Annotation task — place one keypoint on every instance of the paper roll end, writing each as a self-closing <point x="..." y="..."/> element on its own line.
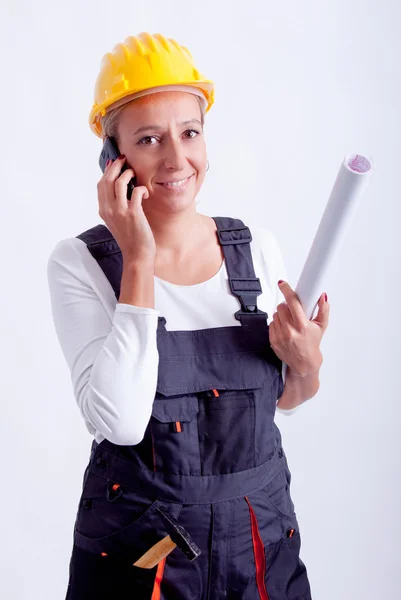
<point x="358" y="163"/>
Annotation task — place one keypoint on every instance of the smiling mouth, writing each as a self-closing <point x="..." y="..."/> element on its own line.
<point x="175" y="184"/>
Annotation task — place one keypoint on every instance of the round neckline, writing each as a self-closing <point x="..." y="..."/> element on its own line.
<point x="194" y="285"/>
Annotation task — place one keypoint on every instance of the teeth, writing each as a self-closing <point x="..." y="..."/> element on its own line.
<point x="176" y="183"/>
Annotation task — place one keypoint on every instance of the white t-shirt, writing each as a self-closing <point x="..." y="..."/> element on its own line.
<point x="111" y="348"/>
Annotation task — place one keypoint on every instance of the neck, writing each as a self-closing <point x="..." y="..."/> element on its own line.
<point x="177" y="234"/>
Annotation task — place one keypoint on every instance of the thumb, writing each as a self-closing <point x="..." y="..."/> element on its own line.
<point x="322" y="317"/>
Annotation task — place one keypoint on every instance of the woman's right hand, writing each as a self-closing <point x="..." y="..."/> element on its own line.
<point x="125" y="218"/>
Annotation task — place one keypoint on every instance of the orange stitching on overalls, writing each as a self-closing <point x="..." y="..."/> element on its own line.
<point x="216" y="393"/>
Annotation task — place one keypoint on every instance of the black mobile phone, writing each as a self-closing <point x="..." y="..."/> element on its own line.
<point x="110" y="150"/>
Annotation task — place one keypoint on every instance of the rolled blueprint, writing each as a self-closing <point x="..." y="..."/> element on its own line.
<point x="349" y="186"/>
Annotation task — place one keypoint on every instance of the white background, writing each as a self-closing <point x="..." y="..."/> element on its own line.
<point x="298" y="86"/>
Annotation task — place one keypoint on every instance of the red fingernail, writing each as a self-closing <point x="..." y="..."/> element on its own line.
<point x="325" y="297"/>
<point x="121" y="156"/>
<point x="281" y="281"/>
<point x="108" y="162"/>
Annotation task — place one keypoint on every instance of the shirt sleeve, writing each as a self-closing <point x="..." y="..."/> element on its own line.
<point x="113" y="358"/>
<point x="275" y="264"/>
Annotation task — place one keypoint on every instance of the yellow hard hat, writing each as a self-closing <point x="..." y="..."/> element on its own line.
<point x="141" y="65"/>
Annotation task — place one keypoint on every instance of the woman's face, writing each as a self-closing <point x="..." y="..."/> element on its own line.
<point x="169" y="147"/>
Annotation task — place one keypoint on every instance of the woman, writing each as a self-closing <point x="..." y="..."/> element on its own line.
<point x="177" y="373"/>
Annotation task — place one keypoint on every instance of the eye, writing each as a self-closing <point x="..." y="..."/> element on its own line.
<point x="191" y="130"/>
<point x="149" y="137"/>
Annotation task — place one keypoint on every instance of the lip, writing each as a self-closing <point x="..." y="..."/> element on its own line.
<point x="177" y="189"/>
<point x="174" y="180"/>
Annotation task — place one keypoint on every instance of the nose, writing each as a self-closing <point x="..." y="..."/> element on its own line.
<point x="175" y="155"/>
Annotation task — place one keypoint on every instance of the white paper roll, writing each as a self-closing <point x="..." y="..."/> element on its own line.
<point x="349" y="186"/>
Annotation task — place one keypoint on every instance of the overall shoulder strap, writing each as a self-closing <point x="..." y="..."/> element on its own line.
<point x="235" y="238"/>
<point x="105" y="250"/>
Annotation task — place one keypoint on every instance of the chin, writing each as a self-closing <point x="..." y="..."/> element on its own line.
<point x="176" y="204"/>
<point x="173" y="204"/>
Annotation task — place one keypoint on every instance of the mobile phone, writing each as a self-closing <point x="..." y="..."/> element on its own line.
<point x="110" y="151"/>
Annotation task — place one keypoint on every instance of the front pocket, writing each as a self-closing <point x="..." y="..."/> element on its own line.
<point x="174" y="431"/>
<point x="277" y="494"/>
<point x="124" y="529"/>
<point x="98" y="517"/>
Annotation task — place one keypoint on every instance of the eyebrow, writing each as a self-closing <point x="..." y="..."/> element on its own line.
<point x="158" y="127"/>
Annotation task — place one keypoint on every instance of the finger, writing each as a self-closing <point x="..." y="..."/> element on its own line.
<point x="278" y="326"/>
<point x="286" y="327"/>
<point x="276" y="317"/>
<point x="112" y="172"/>
<point x="121" y="187"/>
<point x="275" y="333"/>
<point x="114" y="168"/>
<point x="284" y="313"/>
<point x="108" y="168"/>
<point x="294" y="305"/>
<point x="139" y="193"/>
<point x="103" y="195"/>
<point x="106" y="186"/>
<point x="272" y="333"/>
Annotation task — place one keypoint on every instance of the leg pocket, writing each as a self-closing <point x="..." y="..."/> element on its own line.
<point x="286" y="574"/>
<point x="96" y="577"/>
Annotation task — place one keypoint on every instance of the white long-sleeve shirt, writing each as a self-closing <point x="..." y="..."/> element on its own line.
<point x="111" y="347"/>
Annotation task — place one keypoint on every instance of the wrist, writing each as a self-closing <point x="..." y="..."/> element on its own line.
<point x="308" y="371"/>
<point x="139" y="264"/>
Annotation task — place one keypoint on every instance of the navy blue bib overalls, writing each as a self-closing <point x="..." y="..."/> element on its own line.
<point x="211" y="459"/>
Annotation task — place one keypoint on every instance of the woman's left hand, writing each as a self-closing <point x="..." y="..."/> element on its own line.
<point x="296" y="339"/>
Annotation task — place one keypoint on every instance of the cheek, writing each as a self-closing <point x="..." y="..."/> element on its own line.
<point x="200" y="176"/>
<point x="200" y="165"/>
<point x="199" y="156"/>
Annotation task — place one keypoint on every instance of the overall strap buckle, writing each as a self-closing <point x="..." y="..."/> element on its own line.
<point x="247" y="289"/>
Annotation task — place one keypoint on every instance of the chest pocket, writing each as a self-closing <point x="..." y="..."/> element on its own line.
<point x="227" y="430"/>
<point x="174" y="431"/>
<point x="214" y="411"/>
<point x="215" y="431"/>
